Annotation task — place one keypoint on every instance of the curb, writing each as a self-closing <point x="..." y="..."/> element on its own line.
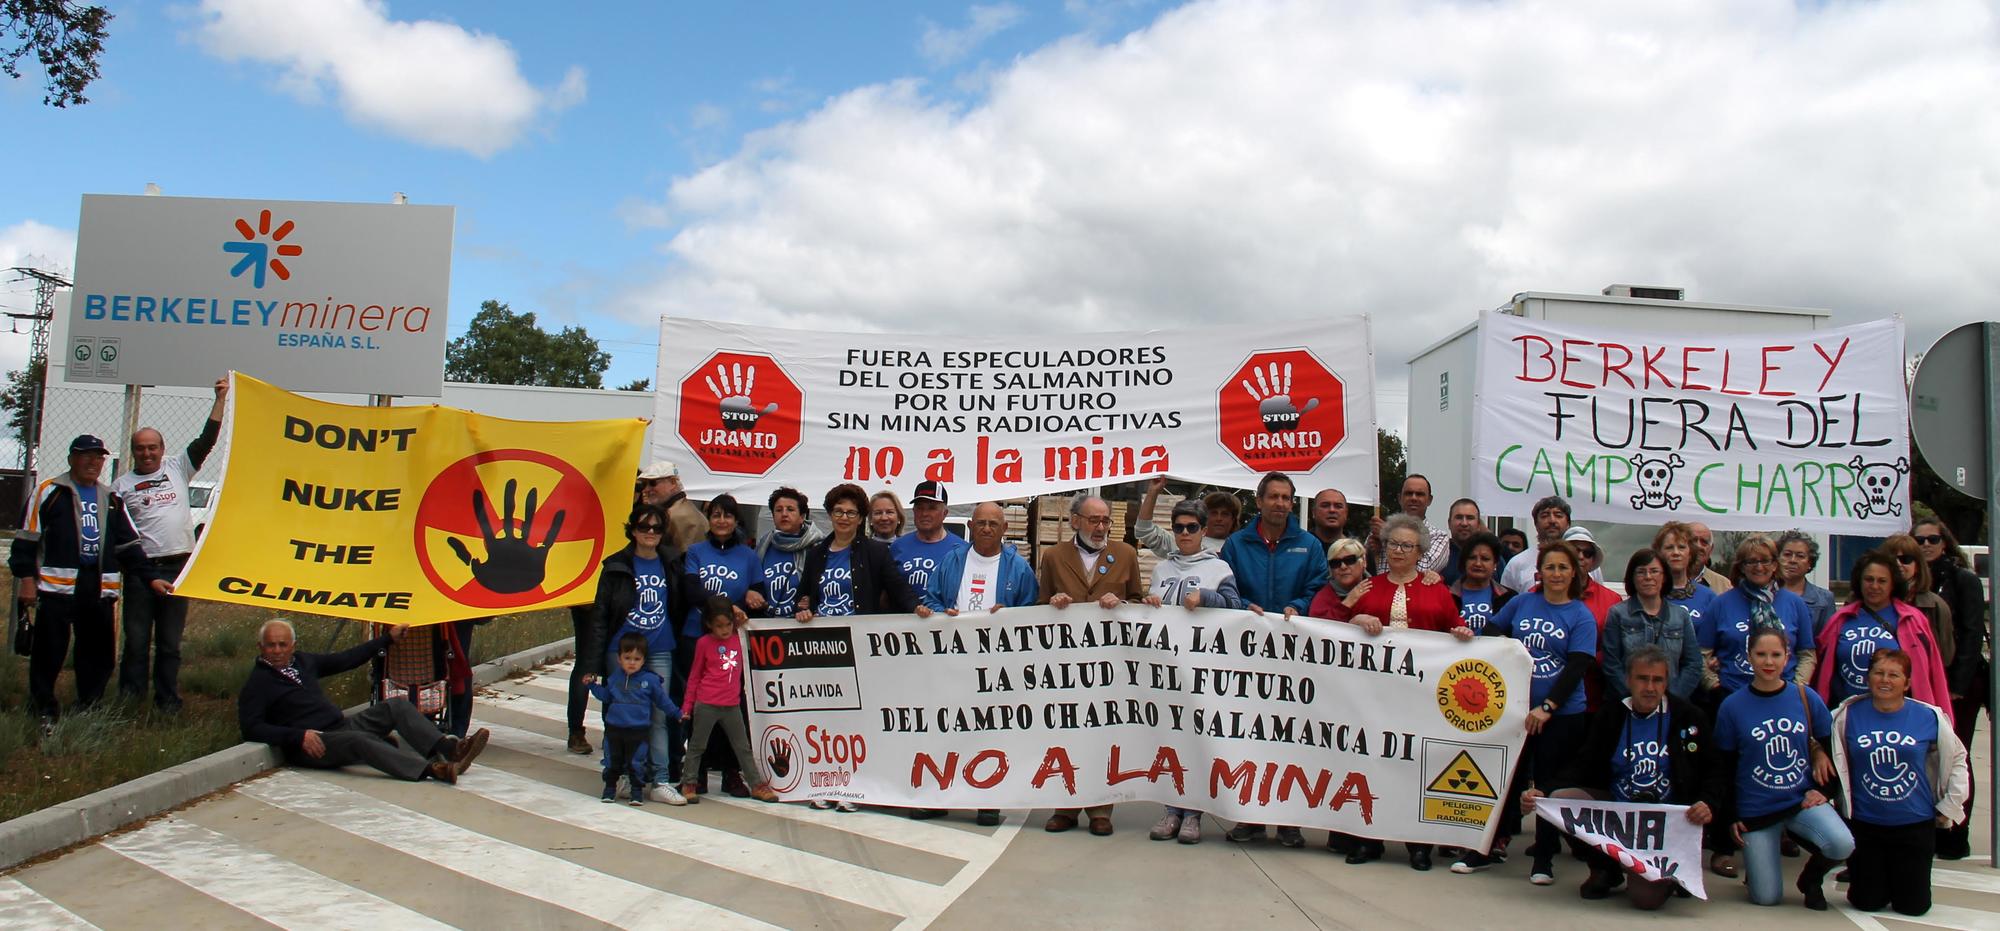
<point x="107" y="810"/>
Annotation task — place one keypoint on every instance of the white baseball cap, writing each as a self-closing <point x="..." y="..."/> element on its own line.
<point x="659" y="470"/>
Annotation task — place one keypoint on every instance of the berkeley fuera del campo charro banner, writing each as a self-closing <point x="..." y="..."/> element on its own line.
<point x="414" y="515"/>
<point x="1650" y="841"/>
<point x="1409" y="735"/>
<point x="747" y="409"/>
<point x="1739" y="431"/>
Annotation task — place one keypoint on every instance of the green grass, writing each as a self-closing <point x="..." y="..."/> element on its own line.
<point x="119" y="740"/>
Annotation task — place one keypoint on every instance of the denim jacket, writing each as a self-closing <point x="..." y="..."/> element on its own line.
<point x="1627" y="628"/>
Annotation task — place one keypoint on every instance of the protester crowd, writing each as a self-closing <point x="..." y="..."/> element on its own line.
<point x="1787" y="724"/>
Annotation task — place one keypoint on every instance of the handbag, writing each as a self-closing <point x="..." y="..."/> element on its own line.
<point x="428" y="697"/>
<point x="22" y="628"/>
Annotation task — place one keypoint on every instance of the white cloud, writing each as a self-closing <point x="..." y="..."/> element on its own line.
<point x="1258" y="162"/>
<point x="428" y="81"/>
<point x="27" y="244"/>
<point x="941" y="46"/>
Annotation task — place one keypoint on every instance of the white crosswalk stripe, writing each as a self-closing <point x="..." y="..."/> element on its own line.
<point x="24" y="909"/>
<point x="256" y="882"/>
<point x="526" y="872"/>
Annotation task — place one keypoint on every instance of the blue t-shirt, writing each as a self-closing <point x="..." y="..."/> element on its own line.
<point x="918" y="559"/>
<point x="1551" y="633"/>
<point x="1639" y="768"/>
<point x="1700" y="606"/>
<point x="1772" y="740"/>
<point x="89" y="529"/>
<point x="1730" y="628"/>
<point x="1476" y="607"/>
<point x="1886" y="756"/>
<point x="649" y="610"/>
<point x="781" y="581"/>
<point x="836" y="585"/>
<point x="1860" y="636"/>
<point x="730" y="571"/>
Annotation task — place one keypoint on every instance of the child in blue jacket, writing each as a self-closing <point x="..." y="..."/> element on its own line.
<point x="629" y="695"/>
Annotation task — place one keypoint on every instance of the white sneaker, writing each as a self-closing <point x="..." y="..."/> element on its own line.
<point x="661" y="792"/>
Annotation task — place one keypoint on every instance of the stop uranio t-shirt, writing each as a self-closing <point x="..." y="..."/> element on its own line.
<point x="918" y="559"/>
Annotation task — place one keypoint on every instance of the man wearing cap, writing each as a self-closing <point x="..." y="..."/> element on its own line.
<point x="1598" y="598"/>
<point x="660" y="483"/>
<point x="920" y="552"/>
<point x="155" y="493"/>
<point x="67" y="560"/>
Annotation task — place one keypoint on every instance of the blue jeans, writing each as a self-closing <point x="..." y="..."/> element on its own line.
<point x="1819" y="826"/>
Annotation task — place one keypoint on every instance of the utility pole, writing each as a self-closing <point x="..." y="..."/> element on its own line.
<point x="46" y="284"/>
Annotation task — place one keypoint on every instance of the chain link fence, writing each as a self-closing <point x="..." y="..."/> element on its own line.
<point x="69" y="411"/>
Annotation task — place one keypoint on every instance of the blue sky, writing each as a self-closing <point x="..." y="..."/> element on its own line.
<point x="1103" y="164"/>
<point x="542" y="223"/>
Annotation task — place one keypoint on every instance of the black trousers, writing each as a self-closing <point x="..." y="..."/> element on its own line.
<point x="627" y="754"/>
<point x="579" y="694"/>
<point x="1542" y="757"/>
<point x="58" y="618"/>
<point x="1956" y="841"/>
<point x="1891" y="867"/>
<point x="153" y="624"/>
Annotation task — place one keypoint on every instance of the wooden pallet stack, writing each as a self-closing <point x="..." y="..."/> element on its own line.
<point x="1018" y="530"/>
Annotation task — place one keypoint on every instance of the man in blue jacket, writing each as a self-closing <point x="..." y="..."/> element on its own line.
<point x="1279" y="567"/>
<point x="997" y="578"/>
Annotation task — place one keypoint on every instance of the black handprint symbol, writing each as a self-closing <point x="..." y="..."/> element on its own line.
<point x="1274" y="398"/>
<point x="1668" y="868"/>
<point x="512" y="564"/>
<point x="738" y="413"/>
<point x="780" y="758"/>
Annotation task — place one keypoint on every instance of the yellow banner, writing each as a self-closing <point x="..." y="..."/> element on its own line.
<point x="416" y="515"/>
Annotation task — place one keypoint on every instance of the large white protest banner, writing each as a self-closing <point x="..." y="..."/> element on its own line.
<point x="1742" y="432"/>
<point x="747" y="409"/>
<point x="1409" y="735"/>
<point x="1650" y="841"/>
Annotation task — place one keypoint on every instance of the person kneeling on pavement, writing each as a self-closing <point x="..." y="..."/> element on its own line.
<point x="282" y="705"/>
<point x="1651" y="747"/>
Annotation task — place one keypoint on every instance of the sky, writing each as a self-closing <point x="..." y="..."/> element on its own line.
<point x="1083" y="164"/>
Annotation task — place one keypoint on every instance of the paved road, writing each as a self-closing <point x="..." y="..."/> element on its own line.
<point x="522" y="842"/>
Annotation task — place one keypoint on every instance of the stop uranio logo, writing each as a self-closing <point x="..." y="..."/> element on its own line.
<point x="1282" y="410"/>
<point x="740" y="412"/>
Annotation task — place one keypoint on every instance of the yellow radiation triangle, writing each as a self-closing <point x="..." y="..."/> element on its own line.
<point x="1464" y="777"/>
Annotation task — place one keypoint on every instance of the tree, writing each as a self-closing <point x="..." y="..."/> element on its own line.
<point x="643" y="384"/>
<point x="23" y="385"/>
<point x="502" y="347"/>
<point x="66" y="39"/>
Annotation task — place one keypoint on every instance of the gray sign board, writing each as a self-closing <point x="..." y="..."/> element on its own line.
<point x="308" y="296"/>
<point x="1948" y="409"/>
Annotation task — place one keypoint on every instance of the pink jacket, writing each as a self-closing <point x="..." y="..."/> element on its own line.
<point x="716" y="677"/>
<point x="1913" y="635"/>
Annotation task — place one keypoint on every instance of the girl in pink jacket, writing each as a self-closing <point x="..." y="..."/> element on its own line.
<point x="715" y="693"/>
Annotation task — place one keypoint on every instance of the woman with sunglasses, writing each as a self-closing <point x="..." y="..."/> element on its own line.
<point x="1953" y="580"/>
<point x="1347" y="580"/>
<point x="1917" y="576"/>
<point x="1478" y="590"/>
<point x="1193" y="577"/>
<point x="1878" y="618"/>
<point x="641" y="590"/>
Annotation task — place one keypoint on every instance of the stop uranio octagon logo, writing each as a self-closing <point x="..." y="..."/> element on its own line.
<point x="1282" y="410"/>
<point x="740" y="412"/>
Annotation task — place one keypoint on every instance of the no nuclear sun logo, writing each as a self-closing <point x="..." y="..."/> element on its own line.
<point x="1282" y="410"/>
<point x="783" y="757"/>
<point x="262" y="248"/>
<point x="740" y="412"/>
<point x="1471" y="695"/>
<point x="540" y="536"/>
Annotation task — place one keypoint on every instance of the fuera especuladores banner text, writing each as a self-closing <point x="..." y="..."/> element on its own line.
<point x="1766" y="431"/>
<point x="409" y="515"/>
<point x="747" y="409"/>
<point x="1409" y="735"/>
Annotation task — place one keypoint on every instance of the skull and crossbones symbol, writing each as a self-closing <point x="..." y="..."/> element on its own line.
<point x="1879" y="484"/>
<point x="1656" y="477"/>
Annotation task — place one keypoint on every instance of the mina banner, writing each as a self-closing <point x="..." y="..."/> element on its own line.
<point x="1767" y="431"/>
<point x="746" y="410"/>
<point x="413" y="515"/>
<point x="1408" y="735"/>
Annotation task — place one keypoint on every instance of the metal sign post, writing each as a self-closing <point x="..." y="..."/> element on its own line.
<point x="1991" y="395"/>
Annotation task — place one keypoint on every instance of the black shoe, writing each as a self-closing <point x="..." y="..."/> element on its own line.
<point x="1290" y="837"/>
<point x="1598" y="886"/>
<point x="1338" y="842"/>
<point x="732" y="783"/>
<point x="1364" y="851"/>
<point x="988" y="817"/>
<point x="1420" y="860"/>
<point x="926" y="814"/>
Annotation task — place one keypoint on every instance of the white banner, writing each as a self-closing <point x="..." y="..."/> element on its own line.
<point x="1652" y="842"/>
<point x="1408" y="736"/>
<point x="307" y="296"/>
<point x="1742" y="432"/>
<point x="747" y="409"/>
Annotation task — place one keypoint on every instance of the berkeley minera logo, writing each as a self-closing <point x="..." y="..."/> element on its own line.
<point x="256" y="252"/>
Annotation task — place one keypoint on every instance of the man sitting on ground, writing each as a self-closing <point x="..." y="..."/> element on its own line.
<point x="282" y="705"/>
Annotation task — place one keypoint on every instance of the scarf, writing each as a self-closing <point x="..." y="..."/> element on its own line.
<point x="1763" y="612"/>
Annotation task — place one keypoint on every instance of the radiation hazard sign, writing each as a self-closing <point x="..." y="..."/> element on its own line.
<point x="1465" y="784"/>
<point x="416" y="515"/>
